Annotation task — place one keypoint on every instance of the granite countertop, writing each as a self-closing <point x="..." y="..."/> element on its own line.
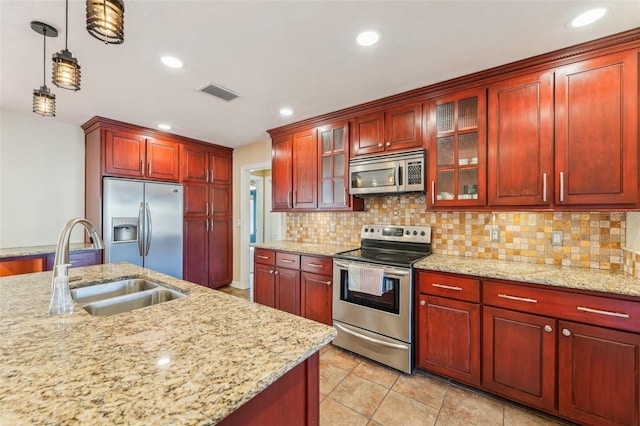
<point x="559" y="276"/>
<point x="37" y="250"/>
<point x="193" y="360"/>
<point x="307" y="248"/>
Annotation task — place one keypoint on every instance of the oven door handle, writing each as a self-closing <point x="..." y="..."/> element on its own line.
<point x="370" y="339"/>
<point x="387" y="271"/>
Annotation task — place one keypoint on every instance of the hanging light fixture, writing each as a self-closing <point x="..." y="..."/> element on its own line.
<point x="66" y="71"/>
<point x="44" y="102"/>
<point x="105" y="20"/>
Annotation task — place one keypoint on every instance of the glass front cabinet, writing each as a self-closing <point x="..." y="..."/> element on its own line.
<point x="457" y="158"/>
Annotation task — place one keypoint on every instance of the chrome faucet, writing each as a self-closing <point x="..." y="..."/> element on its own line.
<point x="62" y="248"/>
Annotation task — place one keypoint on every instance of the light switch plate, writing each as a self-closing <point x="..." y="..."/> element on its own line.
<point x="332" y="227"/>
<point x="494" y="234"/>
<point x="556" y="238"/>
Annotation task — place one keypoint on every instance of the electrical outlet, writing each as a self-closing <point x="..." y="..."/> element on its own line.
<point x="332" y="227"/>
<point x="556" y="238"/>
<point x="494" y="234"/>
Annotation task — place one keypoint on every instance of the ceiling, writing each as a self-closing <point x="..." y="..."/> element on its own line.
<point x="297" y="54"/>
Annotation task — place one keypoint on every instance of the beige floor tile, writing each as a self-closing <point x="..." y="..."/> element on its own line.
<point x="428" y="390"/>
<point x="330" y="376"/>
<point x="473" y="407"/>
<point x="359" y="394"/>
<point x="373" y="423"/>
<point x="514" y="416"/>
<point x="335" y="414"/>
<point x="376" y="373"/>
<point x="322" y="396"/>
<point x="399" y="410"/>
<point x="448" y="420"/>
<point x="340" y="358"/>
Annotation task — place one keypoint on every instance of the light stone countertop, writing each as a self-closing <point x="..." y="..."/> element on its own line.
<point x="317" y="249"/>
<point x="221" y="350"/>
<point x="558" y="276"/>
<point x="38" y="250"/>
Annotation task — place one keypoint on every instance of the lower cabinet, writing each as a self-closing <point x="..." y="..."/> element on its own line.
<point x="287" y="289"/>
<point x="316" y="292"/>
<point x="39" y="263"/>
<point x="207" y="251"/>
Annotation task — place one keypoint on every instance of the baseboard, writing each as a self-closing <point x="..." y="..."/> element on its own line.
<point x="238" y="285"/>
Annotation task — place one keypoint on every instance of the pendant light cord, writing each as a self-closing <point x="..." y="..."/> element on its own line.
<point x="66" y="24"/>
<point x="44" y="57"/>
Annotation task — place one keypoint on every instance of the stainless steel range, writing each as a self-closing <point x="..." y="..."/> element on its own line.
<point x="373" y="293"/>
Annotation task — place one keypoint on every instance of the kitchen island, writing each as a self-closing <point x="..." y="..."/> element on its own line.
<point x="195" y="360"/>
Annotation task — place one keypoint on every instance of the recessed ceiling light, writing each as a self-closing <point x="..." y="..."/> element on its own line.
<point x="164" y="126"/>
<point x="286" y="112"/>
<point x="588" y="17"/>
<point x="368" y="38"/>
<point x="171" y="62"/>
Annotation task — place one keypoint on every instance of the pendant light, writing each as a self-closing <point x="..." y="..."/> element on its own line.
<point x="105" y="20"/>
<point x="66" y="71"/>
<point x="44" y="102"/>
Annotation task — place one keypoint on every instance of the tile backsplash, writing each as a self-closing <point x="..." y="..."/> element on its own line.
<point x="631" y="262"/>
<point x="590" y="239"/>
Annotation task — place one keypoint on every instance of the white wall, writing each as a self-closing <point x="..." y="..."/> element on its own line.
<point x="41" y="178"/>
<point x="633" y="231"/>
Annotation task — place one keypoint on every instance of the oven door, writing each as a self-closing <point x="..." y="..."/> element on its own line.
<point x="376" y="177"/>
<point x="389" y="314"/>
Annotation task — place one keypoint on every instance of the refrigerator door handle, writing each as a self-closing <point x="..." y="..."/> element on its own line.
<point x="149" y="229"/>
<point x="140" y="229"/>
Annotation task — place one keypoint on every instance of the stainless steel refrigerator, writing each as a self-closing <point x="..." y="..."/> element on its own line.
<point x="142" y="224"/>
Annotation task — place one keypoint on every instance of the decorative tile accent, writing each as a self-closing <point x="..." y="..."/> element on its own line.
<point x="590" y="239"/>
<point x="631" y="262"/>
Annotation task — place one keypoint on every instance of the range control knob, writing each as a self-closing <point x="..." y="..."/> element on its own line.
<point x="415" y="232"/>
<point x="422" y="233"/>
<point x="366" y="230"/>
<point x="407" y="232"/>
<point x="371" y="230"/>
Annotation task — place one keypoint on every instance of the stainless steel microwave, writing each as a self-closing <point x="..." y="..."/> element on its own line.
<point x="388" y="174"/>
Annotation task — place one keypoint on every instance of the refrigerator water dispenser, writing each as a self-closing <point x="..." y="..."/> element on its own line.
<point x="125" y="229"/>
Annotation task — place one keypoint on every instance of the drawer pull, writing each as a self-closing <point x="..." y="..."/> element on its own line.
<point x="519" y="299"/>
<point x="288" y="260"/>
<point x="262" y="257"/>
<point x="447" y="287"/>
<point x="315" y="265"/>
<point x="566" y="332"/>
<point x="548" y="328"/>
<point x="596" y="311"/>
<point x="422" y="303"/>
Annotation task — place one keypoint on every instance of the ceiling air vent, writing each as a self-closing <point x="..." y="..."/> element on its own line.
<point x="219" y="92"/>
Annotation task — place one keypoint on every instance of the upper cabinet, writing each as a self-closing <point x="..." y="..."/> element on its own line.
<point x="281" y="170"/>
<point x="397" y="128"/>
<point x="520" y="141"/>
<point x="597" y="131"/>
<point x="457" y="138"/>
<point x="305" y="169"/>
<point x="333" y="147"/>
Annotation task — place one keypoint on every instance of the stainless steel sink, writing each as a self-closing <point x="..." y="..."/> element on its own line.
<point x="122" y="296"/>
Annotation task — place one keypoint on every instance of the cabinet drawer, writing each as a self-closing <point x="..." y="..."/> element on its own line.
<point x="594" y="310"/>
<point x="449" y="286"/>
<point x="266" y="257"/>
<point x="288" y="260"/>
<point x="77" y="260"/>
<point x="317" y="265"/>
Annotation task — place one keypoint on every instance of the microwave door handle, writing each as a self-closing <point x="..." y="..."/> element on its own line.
<point x="397" y="173"/>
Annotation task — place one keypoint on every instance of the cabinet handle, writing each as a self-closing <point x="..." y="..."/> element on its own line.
<point x="295" y="197"/>
<point x="288" y="261"/>
<point x="207" y="210"/>
<point x="328" y="283"/>
<point x="289" y="199"/>
<point x="422" y="303"/>
<point x="544" y="187"/>
<point x="262" y="257"/>
<point x="447" y="287"/>
<point x="379" y="145"/>
<point x="519" y="299"/>
<point x="388" y="144"/>
<point x="548" y="328"/>
<point x="149" y="168"/>
<point x="276" y="272"/>
<point x="212" y="225"/>
<point x="212" y="207"/>
<point x="271" y="272"/>
<point x="566" y="332"/>
<point x="561" y="187"/>
<point x="142" y="167"/>
<point x="211" y="174"/>
<point x="206" y="177"/>
<point x="315" y="265"/>
<point x="597" y="311"/>
<point x="207" y="220"/>
<point x="433" y="192"/>
<point x="344" y="196"/>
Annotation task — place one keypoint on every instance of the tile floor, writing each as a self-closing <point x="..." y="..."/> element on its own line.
<point x="357" y="391"/>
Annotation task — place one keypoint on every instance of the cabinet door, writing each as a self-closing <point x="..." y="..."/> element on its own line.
<point x="457" y="143"/>
<point x="333" y="143"/>
<point x="195" y="199"/>
<point x="219" y="252"/>
<point x="598" y="375"/>
<point x="195" y="163"/>
<point x="124" y="154"/>
<point x="220" y="200"/>
<point x="315" y="297"/>
<point x="403" y="127"/>
<point x="448" y="338"/>
<point x="195" y="250"/>
<point x="163" y="160"/>
<point x="368" y="134"/>
<point x="519" y="352"/>
<point x="288" y="290"/>
<point x="520" y="141"/>
<point x="597" y="131"/>
<point x="305" y="170"/>
<point x="220" y="167"/>
<point x="264" y="291"/>
<point x="281" y="170"/>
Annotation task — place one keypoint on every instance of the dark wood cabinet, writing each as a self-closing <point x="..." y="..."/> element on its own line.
<point x="221" y="166"/>
<point x="282" y="170"/>
<point x="597" y="131"/>
<point x="264" y="290"/>
<point x="195" y="250"/>
<point x="520" y="141"/>
<point x="194" y="163"/>
<point x="457" y="137"/>
<point x="287" y="290"/>
<point x="333" y="170"/>
<point x="396" y="128"/>
<point x="305" y="169"/>
<point x="196" y="199"/>
<point x="316" y="289"/>
<point x="219" y="256"/>
<point x="598" y="375"/>
<point x="519" y="351"/>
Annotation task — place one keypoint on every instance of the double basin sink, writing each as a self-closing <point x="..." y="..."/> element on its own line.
<point x="122" y="296"/>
